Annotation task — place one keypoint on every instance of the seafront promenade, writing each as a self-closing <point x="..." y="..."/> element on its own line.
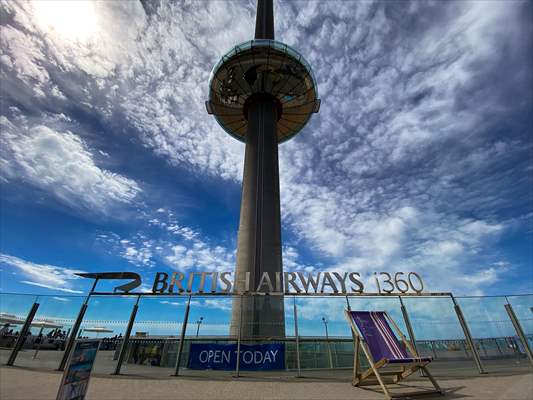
<point x="318" y="361"/>
<point x="504" y="380"/>
<point x="26" y="384"/>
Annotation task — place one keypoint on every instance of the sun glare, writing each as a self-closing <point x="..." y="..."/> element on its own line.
<point x="73" y="20"/>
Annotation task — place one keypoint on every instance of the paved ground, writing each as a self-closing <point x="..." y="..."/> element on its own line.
<point x="510" y="379"/>
<point x="17" y="383"/>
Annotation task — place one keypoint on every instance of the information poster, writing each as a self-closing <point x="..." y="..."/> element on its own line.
<point x="78" y="370"/>
<point x="224" y="356"/>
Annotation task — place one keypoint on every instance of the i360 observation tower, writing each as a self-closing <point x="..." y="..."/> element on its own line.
<point x="262" y="92"/>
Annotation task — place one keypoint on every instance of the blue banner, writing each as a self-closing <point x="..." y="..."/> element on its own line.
<point x="223" y="356"/>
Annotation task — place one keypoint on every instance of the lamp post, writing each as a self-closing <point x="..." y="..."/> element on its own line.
<point x="198" y="325"/>
<point x="325" y="321"/>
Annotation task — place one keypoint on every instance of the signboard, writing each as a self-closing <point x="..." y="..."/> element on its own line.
<point x="78" y="370"/>
<point x="254" y="357"/>
<point x="285" y="282"/>
<point x="275" y="283"/>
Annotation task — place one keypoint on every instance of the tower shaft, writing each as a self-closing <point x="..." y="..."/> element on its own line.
<point x="264" y="21"/>
<point x="259" y="238"/>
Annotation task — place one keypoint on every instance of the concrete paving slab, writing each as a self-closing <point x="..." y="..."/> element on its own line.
<point x="18" y="383"/>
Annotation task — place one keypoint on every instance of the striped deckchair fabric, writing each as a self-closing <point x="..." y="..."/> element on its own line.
<point x="380" y="338"/>
<point x="373" y="335"/>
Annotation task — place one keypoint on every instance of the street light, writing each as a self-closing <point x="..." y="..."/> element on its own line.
<point x="325" y="321"/>
<point x="198" y="325"/>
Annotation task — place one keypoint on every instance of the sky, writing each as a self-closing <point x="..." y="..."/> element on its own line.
<point x="420" y="159"/>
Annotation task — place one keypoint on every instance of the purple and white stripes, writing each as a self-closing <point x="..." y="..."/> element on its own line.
<point x="388" y="336"/>
<point x="378" y="335"/>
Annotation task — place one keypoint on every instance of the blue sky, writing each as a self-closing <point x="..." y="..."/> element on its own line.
<point x="420" y="159"/>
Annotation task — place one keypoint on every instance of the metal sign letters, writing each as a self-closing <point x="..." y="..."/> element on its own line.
<point x="274" y="283"/>
<point x="283" y="283"/>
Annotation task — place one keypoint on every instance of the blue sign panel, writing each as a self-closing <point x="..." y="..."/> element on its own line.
<point x="78" y="371"/>
<point x="223" y="356"/>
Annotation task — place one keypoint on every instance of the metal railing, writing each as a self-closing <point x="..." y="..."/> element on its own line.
<point x="480" y="329"/>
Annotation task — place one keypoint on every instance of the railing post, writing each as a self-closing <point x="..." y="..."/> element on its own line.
<point x="498" y="346"/>
<point x="75" y="328"/>
<point x="483" y="347"/>
<point x="465" y="348"/>
<point x="408" y="325"/>
<point x="72" y="337"/>
<point x="126" y="338"/>
<point x="39" y="335"/>
<point x="299" y="374"/>
<point x="410" y="330"/>
<point x="22" y="335"/>
<point x="182" y="336"/>
<point x="519" y="330"/>
<point x="516" y="348"/>
<point x="238" y="360"/>
<point x="433" y="349"/>
<point x="468" y="336"/>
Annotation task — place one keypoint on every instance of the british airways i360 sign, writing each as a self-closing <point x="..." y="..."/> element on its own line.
<point x="269" y="283"/>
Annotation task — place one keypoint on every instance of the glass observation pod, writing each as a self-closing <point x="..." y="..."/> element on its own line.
<point x="262" y="67"/>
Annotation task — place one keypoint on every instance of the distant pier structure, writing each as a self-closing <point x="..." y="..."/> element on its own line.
<point x="262" y="92"/>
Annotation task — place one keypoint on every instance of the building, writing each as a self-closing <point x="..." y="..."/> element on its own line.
<point x="262" y="92"/>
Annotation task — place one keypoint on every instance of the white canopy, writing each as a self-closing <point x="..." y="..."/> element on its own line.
<point x="14" y="320"/>
<point x="98" y="329"/>
<point x="46" y="324"/>
<point x="10" y="319"/>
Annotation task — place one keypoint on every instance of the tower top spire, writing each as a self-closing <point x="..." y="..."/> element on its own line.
<point x="264" y="21"/>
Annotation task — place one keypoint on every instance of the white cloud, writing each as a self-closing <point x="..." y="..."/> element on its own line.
<point x="43" y="285"/>
<point x="183" y="231"/>
<point x="170" y="243"/>
<point x="93" y="37"/>
<point x="43" y="275"/>
<point x="179" y="303"/>
<point x="141" y="256"/>
<point x="62" y="299"/>
<point x="314" y="308"/>
<point x="218" y="304"/>
<point x="61" y="163"/>
<point x="201" y="256"/>
<point x="212" y="304"/>
<point x="405" y="165"/>
<point x="292" y="260"/>
<point x="171" y="303"/>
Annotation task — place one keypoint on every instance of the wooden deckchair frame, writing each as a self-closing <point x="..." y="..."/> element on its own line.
<point x="407" y="368"/>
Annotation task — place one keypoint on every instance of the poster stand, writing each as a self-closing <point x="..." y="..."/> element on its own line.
<point x="78" y="370"/>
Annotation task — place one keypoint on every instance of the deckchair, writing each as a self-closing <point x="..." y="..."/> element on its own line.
<point x="372" y="333"/>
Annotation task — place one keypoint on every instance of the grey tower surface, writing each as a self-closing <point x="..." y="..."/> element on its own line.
<point x="261" y="92"/>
